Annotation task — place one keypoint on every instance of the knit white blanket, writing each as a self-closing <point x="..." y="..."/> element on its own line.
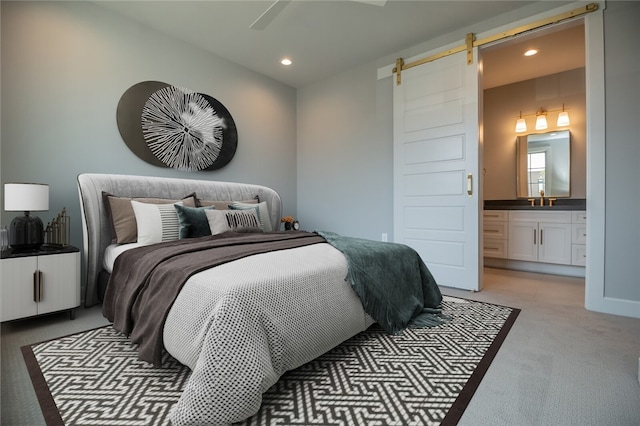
<point x="241" y="325"/>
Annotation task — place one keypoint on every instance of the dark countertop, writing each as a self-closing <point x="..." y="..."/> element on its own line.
<point x="9" y="253"/>
<point x="523" y="204"/>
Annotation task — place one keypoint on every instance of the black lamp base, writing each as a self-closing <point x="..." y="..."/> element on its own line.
<point x="26" y="233"/>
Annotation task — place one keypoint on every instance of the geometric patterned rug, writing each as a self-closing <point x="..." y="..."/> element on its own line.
<point x="424" y="376"/>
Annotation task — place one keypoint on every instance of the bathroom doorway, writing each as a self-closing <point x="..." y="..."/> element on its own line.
<point x="516" y="89"/>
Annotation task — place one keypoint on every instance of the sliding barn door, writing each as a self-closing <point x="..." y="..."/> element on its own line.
<point x="436" y="144"/>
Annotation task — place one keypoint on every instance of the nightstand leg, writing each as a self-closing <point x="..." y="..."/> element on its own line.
<point x="72" y="314"/>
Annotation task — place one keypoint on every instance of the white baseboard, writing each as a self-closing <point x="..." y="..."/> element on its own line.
<point x="542" y="268"/>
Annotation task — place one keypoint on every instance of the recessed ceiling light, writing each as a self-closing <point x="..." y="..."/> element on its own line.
<point x="286" y="61"/>
<point x="530" y="52"/>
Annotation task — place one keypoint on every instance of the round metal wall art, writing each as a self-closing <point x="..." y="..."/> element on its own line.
<point x="169" y="126"/>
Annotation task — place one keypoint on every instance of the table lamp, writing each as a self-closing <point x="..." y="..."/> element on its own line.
<point x="26" y="233"/>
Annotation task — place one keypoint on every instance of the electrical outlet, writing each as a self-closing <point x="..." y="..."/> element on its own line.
<point x="384" y="237"/>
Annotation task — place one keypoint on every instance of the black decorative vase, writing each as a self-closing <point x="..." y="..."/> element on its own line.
<point x="287" y="226"/>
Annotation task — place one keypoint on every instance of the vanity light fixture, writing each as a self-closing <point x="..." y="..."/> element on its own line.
<point x="521" y="125"/>
<point x="563" y="118"/>
<point x="541" y="120"/>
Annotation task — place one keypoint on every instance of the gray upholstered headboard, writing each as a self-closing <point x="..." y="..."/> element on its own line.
<point x="95" y="218"/>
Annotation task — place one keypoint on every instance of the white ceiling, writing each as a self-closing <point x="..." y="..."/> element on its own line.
<point x="322" y="38"/>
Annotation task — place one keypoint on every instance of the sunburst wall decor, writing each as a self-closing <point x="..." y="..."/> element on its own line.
<point x="169" y="126"/>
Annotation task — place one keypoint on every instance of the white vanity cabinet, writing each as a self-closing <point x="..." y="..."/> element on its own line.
<point x="39" y="283"/>
<point x="540" y="236"/>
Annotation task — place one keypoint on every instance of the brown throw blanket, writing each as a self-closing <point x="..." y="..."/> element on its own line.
<point x="146" y="281"/>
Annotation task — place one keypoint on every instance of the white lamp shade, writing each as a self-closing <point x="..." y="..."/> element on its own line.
<point x="563" y="119"/>
<point x="521" y="125"/>
<point x="26" y="197"/>
<point x="541" y="122"/>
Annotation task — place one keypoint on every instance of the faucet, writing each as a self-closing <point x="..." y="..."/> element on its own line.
<point x="542" y="197"/>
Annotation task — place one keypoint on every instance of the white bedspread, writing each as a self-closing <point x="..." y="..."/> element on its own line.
<point x="241" y="325"/>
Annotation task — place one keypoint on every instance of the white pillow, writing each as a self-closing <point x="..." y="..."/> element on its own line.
<point x="156" y="222"/>
<point x="261" y="208"/>
<point x="232" y="220"/>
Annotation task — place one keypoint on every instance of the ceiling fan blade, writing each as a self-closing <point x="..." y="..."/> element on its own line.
<point x="269" y="15"/>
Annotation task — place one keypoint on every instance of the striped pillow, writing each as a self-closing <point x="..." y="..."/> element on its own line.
<point x="261" y="208"/>
<point x="233" y="220"/>
<point x="156" y="222"/>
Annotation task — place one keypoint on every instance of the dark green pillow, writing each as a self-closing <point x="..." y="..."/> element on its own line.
<point x="193" y="221"/>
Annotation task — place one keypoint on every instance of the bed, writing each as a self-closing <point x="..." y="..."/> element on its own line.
<point x="238" y="325"/>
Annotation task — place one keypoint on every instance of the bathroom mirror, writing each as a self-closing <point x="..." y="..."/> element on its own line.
<point x="543" y="163"/>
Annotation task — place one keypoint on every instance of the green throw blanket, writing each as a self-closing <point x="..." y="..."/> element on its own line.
<point x="392" y="281"/>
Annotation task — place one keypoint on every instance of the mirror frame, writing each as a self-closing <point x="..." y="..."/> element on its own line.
<point x="522" y="181"/>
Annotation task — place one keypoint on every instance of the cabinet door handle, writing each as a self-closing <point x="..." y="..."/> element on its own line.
<point x="35" y="286"/>
<point x="38" y="290"/>
<point x="40" y="286"/>
<point x="534" y="237"/>
<point x="541" y="237"/>
<point x="469" y="184"/>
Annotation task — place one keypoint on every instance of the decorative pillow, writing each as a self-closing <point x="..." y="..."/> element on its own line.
<point x="193" y="221"/>
<point x="261" y="209"/>
<point x="223" y="205"/>
<point x="156" y="222"/>
<point x="232" y="220"/>
<point x="123" y="219"/>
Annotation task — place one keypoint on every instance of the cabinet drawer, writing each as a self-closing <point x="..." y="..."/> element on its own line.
<point x="579" y="233"/>
<point x="495" y="248"/>
<point x="548" y="216"/>
<point x="498" y="215"/>
<point x="495" y="230"/>
<point x="579" y="254"/>
<point x="579" y="217"/>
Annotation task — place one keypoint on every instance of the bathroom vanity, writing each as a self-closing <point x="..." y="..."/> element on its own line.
<point x="548" y="239"/>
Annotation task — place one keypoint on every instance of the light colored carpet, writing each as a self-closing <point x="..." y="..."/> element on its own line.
<point x="560" y="364"/>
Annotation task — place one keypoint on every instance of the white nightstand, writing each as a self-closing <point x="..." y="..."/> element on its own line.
<point x="39" y="282"/>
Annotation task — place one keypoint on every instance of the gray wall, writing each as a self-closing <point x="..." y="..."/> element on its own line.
<point x="622" y="198"/>
<point x="345" y="174"/>
<point x="65" y="66"/>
